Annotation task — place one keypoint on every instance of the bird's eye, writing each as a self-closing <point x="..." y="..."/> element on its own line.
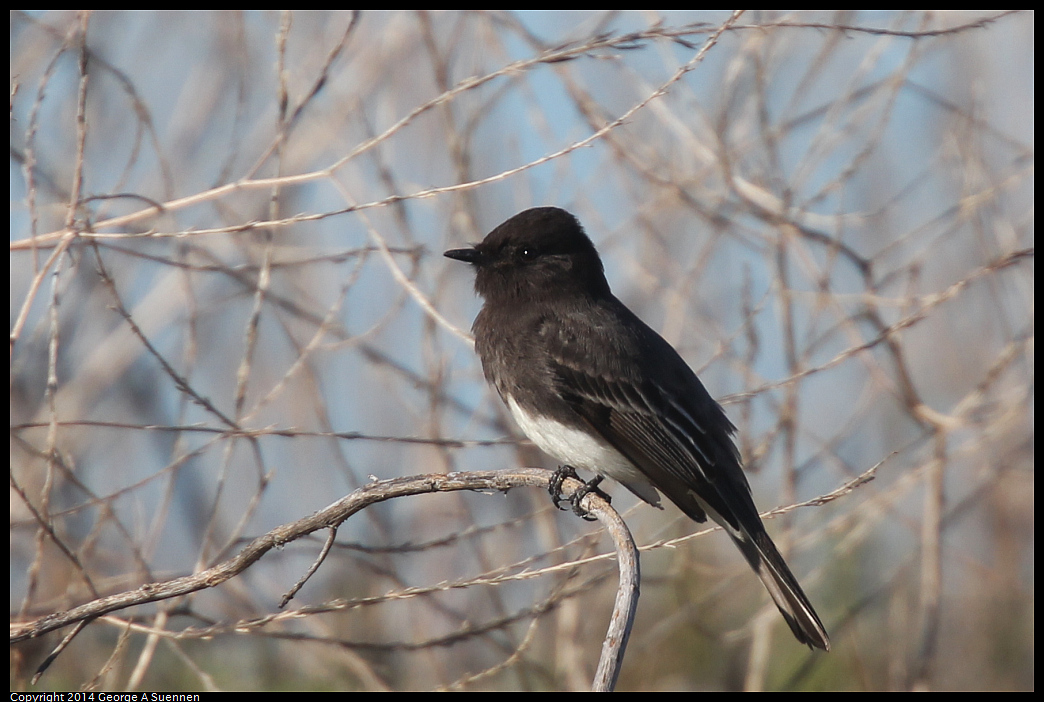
<point x="528" y="253"/>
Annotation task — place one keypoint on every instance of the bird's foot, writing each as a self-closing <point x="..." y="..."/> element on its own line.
<point x="555" y="488"/>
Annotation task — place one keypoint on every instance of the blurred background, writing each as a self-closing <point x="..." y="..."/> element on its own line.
<point x="229" y="308"/>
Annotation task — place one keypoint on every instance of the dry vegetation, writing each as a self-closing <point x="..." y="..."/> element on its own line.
<point x="229" y="309"/>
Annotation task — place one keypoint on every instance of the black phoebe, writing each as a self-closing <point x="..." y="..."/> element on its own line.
<point x="595" y="387"/>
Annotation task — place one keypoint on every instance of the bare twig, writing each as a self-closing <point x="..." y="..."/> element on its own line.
<point x="328" y="518"/>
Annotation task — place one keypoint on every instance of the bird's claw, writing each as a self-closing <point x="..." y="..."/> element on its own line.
<point x="555" y="489"/>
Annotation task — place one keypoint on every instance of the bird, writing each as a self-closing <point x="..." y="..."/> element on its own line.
<point x="596" y="388"/>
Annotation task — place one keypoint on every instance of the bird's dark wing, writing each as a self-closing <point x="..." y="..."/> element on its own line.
<point x="664" y="421"/>
<point x="693" y="463"/>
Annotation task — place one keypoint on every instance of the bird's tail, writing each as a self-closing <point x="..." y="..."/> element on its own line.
<point x="783" y="587"/>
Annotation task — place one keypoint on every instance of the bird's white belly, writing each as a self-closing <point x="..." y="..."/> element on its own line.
<point x="582" y="450"/>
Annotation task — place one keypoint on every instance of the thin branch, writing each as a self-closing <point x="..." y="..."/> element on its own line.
<point x="338" y="512"/>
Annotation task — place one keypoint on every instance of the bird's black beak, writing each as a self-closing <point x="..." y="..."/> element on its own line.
<point x="471" y="255"/>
